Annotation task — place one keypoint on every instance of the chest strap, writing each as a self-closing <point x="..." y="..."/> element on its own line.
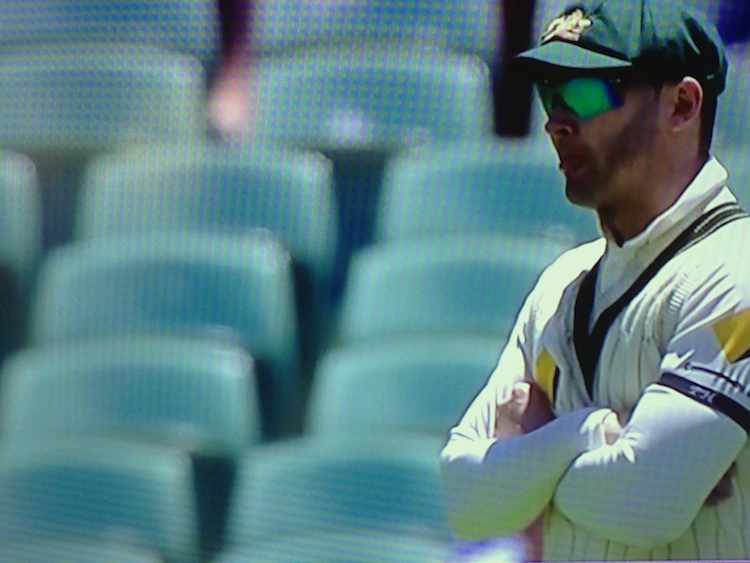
<point x="589" y="346"/>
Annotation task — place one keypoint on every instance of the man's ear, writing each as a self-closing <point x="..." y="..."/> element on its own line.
<point x="686" y="102"/>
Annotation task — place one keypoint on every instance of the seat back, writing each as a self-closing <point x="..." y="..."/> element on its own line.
<point x="371" y="96"/>
<point x="355" y="546"/>
<point x="478" y="187"/>
<point x="186" y="26"/>
<point x="210" y="285"/>
<point x="75" y="551"/>
<point x="130" y="493"/>
<point x="285" y="25"/>
<point x="20" y="217"/>
<point x="418" y="384"/>
<point x="190" y="392"/>
<point x="206" y="187"/>
<point x="86" y="97"/>
<point x="444" y="285"/>
<point x="389" y="484"/>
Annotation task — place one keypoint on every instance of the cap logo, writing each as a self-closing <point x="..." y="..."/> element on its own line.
<point x="568" y="27"/>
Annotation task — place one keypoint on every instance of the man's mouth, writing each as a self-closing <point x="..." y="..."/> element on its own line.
<point x="572" y="164"/>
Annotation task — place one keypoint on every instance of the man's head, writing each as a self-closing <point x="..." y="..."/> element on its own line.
<point x="627" y="84"/>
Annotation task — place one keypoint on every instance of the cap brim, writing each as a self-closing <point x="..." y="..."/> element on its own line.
<point x="568" y="56"/>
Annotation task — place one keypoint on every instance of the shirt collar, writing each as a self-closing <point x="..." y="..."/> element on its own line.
<point x="704" y="187"/>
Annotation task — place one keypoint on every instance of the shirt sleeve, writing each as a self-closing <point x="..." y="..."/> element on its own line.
<point x="684" y="433"/>
<point x="497" y="488"/>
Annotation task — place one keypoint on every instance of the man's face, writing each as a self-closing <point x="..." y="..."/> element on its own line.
<point x="607" y="157"/>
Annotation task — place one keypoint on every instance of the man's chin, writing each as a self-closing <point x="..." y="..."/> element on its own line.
<point x="579" y="194"/>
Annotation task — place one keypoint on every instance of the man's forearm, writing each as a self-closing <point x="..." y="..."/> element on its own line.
<point x="497" y="488"/>
<point x="645" y="489"/>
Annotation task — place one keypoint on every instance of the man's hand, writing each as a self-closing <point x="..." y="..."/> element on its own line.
<point x="526" y="410"/>
<point x="724" y="488"/>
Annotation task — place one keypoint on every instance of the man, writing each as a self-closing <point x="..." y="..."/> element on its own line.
<point x="614" y="425"/>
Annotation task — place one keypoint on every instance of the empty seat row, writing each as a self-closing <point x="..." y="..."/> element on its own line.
<point x="471" y="187"/>
<point x="241" y="289"/>
<point x="285" y="25"/>
<point x="185" y="26"/>
<point x="201" y="395"/>
<point x="140" y="496"/>
<point x="133" y="494"/>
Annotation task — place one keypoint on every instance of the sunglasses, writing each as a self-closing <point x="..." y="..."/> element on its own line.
<point x="585" y="97"/>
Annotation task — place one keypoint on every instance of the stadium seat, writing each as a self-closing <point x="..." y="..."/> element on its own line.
<point x="367" y="482"/>
<point x="211" y="285"/>
<point x="70" y="551"/>
<point x="63" y="104"/>
<point x="733" y="115"/>
<point x="97" y="97"/>
<point x="361" y="104"/>
<point x="735" y="160"/>
<point x="20" y="239"/>
<point x="195" y="394"/>
<point x="20" y="217"/>
<point x="371" y="96"/>
<point x="286" y="25"/>
<point x="460" y="284"/>
<point x="478" y="187"/>
<point x="212" y="187"/>
<point x="185" y="392"/>
<point x="343" y="547"/>
<point x="185" y="26"/>
<point x="89" y="490"/>
<point x="418" y="384"/>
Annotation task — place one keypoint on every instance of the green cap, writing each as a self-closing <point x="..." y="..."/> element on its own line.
<point x="659" y="37"/>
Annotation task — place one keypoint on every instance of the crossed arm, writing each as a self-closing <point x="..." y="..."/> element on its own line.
<point x="640" y="485"/>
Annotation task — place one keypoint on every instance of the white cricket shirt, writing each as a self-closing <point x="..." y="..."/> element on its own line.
<point x="675" y="363"/>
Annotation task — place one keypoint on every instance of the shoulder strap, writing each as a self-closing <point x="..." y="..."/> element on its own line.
<point x="589" y="346"/>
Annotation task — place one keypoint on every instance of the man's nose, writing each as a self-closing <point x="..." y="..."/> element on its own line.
<point x="561" y="124"/>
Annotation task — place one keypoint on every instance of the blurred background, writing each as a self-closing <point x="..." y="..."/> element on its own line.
<point x="256" y="258"/>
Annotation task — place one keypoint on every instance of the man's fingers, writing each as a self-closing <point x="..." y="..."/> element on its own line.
<point x="612" y="428"/>
<point x="724" y="488"/>
<point x="509" y="413"/>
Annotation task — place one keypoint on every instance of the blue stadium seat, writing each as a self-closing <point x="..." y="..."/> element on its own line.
<point x="20" y="217"/>
<point x="460" y="284"/>
<point x="478" y="187"/>
<point x="210" y="187"/>
<point x="20" y="246"/>
<point x="97" y="97"/>
<point x="372" y="483"/>
<point x="733" y="116"/>
<point x="418" y="384"/>
<point x="61" y="105"/>
<point x="360" y="104"/>
<point x="186" y="26"/>
<point x="371" y="97"/>
<point x="343" y="547"/>
<point x="284" y="25"/>
<point x="195" y="394"/>
<point x="71" y="551"/>
<point x="184" y="392"/>
<point x="193" y="283"/>
<point x="133" y="494"/>
<point x="736" y="161"/>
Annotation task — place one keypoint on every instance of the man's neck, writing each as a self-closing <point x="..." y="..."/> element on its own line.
<point x="645" y="202"/>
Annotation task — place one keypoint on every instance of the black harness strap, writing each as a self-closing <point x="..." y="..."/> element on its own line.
<point x="589" y="346"/>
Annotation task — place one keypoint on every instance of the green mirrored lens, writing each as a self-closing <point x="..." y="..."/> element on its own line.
<point x="584" y="97"/>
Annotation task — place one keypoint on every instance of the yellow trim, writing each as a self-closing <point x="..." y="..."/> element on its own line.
<point x="733" y="334"/>
<point x="544" y="373"/>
